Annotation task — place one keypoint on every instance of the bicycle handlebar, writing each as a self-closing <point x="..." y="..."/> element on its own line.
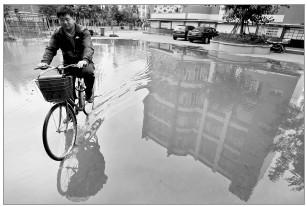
<point x="59" y="67"/>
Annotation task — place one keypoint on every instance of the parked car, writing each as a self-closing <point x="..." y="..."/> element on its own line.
<point x="203" y="34"/>
<point x="277" y="44"/>
<point x="182" y="31"/>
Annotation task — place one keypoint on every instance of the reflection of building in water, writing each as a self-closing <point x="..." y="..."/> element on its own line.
<point x="222" y="114"/>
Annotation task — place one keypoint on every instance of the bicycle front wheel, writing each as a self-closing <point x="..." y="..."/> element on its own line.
<point x="59" y="131"/>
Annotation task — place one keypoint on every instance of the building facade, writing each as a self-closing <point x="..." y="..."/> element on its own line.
<point x="288" y="22"/>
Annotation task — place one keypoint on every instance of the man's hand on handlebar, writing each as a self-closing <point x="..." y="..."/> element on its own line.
<point x="82" y="64"/>
<point x="42" y="66"/>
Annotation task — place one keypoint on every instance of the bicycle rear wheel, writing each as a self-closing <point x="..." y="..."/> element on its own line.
<point x="59" y="131"/>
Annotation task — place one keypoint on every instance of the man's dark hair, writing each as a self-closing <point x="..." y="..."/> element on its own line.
<point x="63" y="10"/>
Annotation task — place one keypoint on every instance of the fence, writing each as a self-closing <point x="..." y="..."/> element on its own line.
<point x="34" y="25"/>
<point x="25" y="25"/>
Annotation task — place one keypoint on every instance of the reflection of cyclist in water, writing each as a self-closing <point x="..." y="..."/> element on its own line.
<point x="83" y="173"/>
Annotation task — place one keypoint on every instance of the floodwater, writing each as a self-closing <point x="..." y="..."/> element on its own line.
<point x="170" y="125"/>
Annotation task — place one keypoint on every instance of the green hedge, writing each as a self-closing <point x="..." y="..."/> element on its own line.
<point x="241" y="39"/>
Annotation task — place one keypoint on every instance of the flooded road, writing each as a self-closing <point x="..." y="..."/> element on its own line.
<point x="170" y="125"/>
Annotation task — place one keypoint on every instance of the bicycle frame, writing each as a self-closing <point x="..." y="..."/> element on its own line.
<point x="80" y="88"/>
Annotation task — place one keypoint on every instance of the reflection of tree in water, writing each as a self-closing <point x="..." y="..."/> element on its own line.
<point x="83" y="173"/>
<point x="290" y="146"/>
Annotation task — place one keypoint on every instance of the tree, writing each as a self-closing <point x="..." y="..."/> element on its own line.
<point x="115" y="14"/>
<point x="6" y="14"/>
<point x="81" y="12"/>
<point x="47" y="10"/>
<point x="6" y="10"/>
<point x="242" y="14"/>
<point x="290" y="146"/>
<point x="135" y="14"/>
<point x="96" y="13"/>
<point x="259" y="18"/>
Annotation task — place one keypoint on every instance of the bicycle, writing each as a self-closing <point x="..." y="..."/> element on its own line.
<point x="59" y="139"/>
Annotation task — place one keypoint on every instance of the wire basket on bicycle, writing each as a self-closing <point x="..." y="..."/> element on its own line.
<point x="56" y="89"/>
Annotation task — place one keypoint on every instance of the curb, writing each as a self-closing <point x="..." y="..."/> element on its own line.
<point x="296" y="52"/>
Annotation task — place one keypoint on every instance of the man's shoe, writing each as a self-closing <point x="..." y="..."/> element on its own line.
<point x="67" y="119"/>
<point x="90" y="99"/>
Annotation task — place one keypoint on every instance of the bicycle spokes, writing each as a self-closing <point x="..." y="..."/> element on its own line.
<point x="59" y="135"/>
<point x="61" y="120"/>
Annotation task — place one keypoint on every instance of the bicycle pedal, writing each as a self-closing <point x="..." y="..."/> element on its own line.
<point x="76" y="111"/>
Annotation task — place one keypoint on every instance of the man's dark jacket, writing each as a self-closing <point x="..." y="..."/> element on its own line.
<point x="80" y="48"/>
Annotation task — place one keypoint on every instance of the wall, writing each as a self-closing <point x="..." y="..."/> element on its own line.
<point x="195" y="24"/>
<point x="168" y="16"/>
<point x="174" y="24"/>
<point x="154" y="24"/>
<point x="166" y="25"/>
<point x="202" y="16"/>
<point x="224" y="28"/>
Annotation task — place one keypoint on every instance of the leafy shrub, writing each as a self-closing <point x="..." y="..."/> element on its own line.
<point x="241" y="39"/>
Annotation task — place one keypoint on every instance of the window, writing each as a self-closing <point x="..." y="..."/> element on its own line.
<point x="293" y="33"/>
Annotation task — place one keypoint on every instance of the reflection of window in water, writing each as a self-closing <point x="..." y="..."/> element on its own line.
<point x="235" y="138"/>
<point x="213" y="127"/>
<point x="159" y="127"/>
<point x="276" y="92"/>
<point x="243" y="116"/>
<point x="196" y="72"/>
<point x="191" y="99"/>
<point x="252" y="86"/>
<point x="249" y="105"/>
<point x="186" y="120"/>
<point x="208" y="150"/>
<point x="217" y="110"/>
<point x="162" y="111"/>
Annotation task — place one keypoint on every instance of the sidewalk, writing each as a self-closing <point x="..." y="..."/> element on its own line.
<point x="139" y="35"/>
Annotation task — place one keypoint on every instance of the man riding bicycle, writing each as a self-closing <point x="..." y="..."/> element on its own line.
<point x="77" y="48"/>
